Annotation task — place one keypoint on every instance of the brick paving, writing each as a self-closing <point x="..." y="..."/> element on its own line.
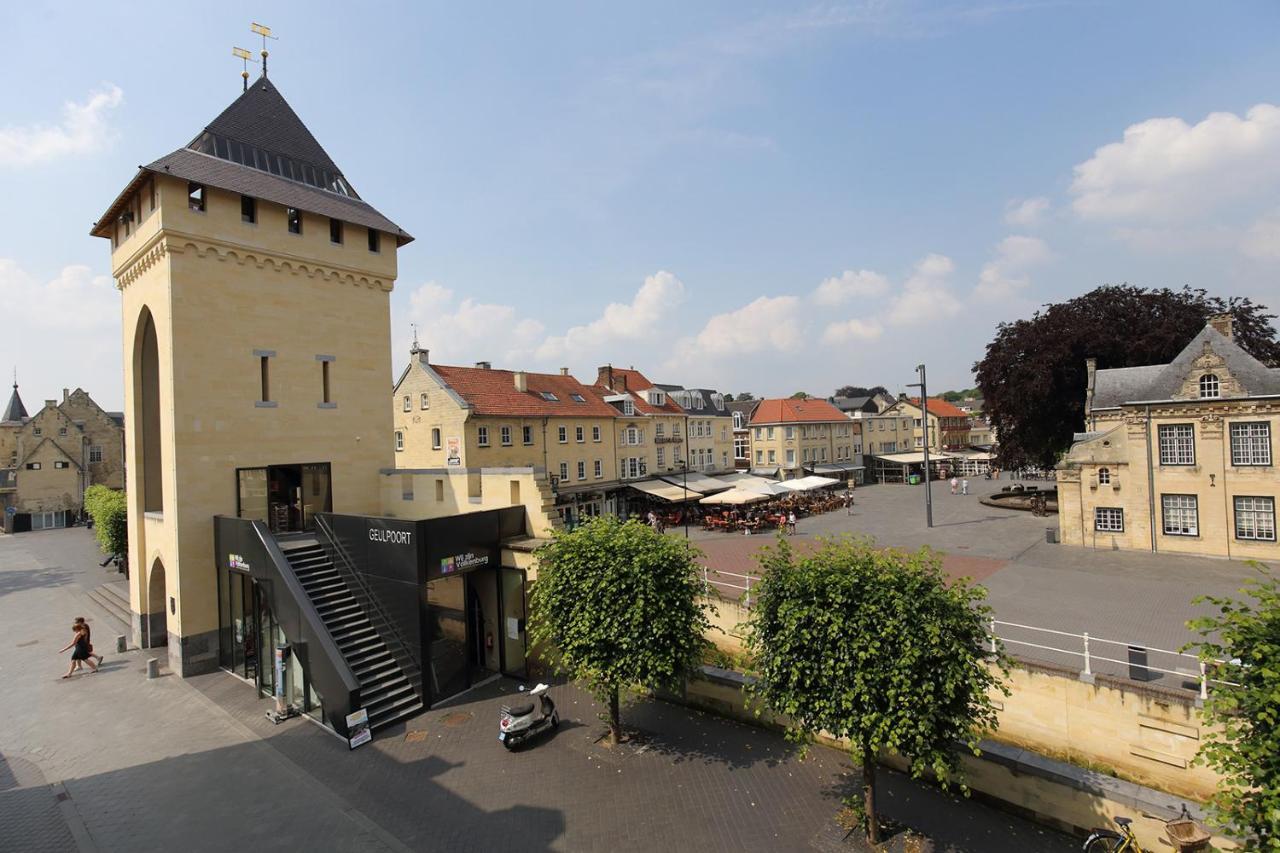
<point x="115" y="762"/>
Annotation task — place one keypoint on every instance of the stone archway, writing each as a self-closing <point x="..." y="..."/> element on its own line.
<point x="156" y="616"/>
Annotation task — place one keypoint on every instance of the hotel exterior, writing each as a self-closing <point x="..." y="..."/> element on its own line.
<point x="789" y="436"/>
<point x="1177" y="457"/>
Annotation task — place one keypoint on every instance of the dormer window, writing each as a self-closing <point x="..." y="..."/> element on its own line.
<point x="1210" y="389"/>
<point x="738" y="420"/>
<point x="549" y="397"/>
<point x="577" y="398"/>
<point x="628" y="408"/>
<point x="718" y="400"/>
<point x="657" y="398"/>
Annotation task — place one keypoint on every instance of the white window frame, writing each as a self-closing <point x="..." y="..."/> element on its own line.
<point x="504" y="436"/>
<point x="738" y="420"/>
<point x="562" y="434"/>
<point x="526" y="435"/>
<point x="1210" y="387"/>
<point x="599" y="469"/>
<point x="1250" y="444"/>
<point x="424" y="401"/>
<point x="408" y="403"/>
<point x="564" y="471"/>
<point x="1260" y="513"/>
<point x="662" y="456"/>
<point x="582" y="469"/>
<point x="1104" y="476"/>
<point x="399" y="441"/>
<point x="436" y="442"/>
<point x="95" y="453"/>
<point x="1180" y="515"/>
<point x="482" y="436"/>
<point x="579" y="434"/>
<point x="1177" y="444"/>
<point x="1108" y="519"/>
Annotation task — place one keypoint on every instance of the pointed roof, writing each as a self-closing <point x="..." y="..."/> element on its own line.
<point x="259" y="147"/>
<point x="786" y="411"/>
<point x="15" y="412"/>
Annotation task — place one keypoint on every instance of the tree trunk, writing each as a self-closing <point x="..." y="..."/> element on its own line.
<point x="869" y="794"/>
<point x="615" y="718"/>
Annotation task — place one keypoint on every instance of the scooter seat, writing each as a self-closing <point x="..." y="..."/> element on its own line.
<point x="520" y="710"/>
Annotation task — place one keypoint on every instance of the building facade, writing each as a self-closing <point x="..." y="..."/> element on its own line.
<point x="651" y="427"/>
<point x="1177" y="457"/>
<point x="49" y="459"/>
<point x="790" y="435"/>
<point x="948" y="426"/>
<point x="709" y="438"/>
<point x="740" y="411"/>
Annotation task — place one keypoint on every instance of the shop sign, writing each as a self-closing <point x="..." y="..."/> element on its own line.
<point x="461" y="562"/>
<point x="235" y="561"/>
<point x="390" y="537"/>
<point x="358" y="732"/>
<point x="453" y="448"/>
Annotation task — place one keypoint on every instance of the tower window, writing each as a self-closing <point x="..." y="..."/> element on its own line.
<point x="375" y="240"/>
<point x="265" y="363"/>
<point x="196" y="196"/>
<point x="335" y="231"/>
<point x="1209" y="387"/>
<point x="294" y="216"/>
<point x="248" y="209"/>
<point x="324" y="380"/>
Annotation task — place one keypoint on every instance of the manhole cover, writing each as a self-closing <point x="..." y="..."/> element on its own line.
<point x="415" y="737"/>
<point x="457" y="718"/>
<point x="28" y="643"/>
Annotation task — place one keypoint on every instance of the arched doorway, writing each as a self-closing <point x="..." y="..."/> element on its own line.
<point x="157" y="615"/>
<point x="146" y="413"/>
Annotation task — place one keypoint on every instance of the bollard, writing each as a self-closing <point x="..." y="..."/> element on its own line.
<point x="153" y="667"/>
<point x="122" y="645"/>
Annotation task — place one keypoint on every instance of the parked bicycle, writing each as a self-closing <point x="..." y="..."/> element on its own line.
<point x="1185" y="834"/>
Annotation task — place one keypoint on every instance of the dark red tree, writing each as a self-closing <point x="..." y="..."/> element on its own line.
<point x="1033" y="376"/>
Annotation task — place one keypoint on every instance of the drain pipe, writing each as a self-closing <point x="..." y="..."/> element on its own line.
<point x="1151" y="485"/>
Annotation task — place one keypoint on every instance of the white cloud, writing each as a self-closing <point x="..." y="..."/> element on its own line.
<point x="1166" y="170"/>
<point x="1007" y="275"/>
<point x="85" y="127"/>
<point x="850" y="285"/>
<point x="467" y="331"/>
<point x="1026" y="212"/>
<point x="926" y="295"/>
<point x="654" y="302"/>
<point x="75" y="305"/>
<point x="849" y="331"/>
<point x="770" y="323"/>
<point x="1262" y="240"/>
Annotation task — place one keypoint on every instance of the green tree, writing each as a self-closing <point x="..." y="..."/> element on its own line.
<point x="109" y="511"/>
<point x="1247" y="710"/>
<point x="621" y="607"/>
<point x="876" y="647"/>
<point x="859" y="391"/>
<point x="1033" y="377"/>
<point x="800" y="395"/>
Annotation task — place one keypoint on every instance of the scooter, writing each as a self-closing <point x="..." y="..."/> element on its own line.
<point x="518" y="723"/>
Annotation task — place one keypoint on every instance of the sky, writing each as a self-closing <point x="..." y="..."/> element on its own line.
<point x="759" y="197"/>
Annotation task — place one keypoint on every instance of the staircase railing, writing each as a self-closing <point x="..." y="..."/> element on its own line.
<point x="407" y="655"/>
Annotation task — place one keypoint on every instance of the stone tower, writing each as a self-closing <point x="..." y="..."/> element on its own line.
<point x="256" y="300"/>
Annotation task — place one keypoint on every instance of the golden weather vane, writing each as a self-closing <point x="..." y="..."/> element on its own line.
<point x="265" y="32"/>
<point x="241" y="53"/>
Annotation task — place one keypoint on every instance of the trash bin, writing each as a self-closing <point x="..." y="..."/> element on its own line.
<point x="1051" y="535"/>
<point x="1138" y="664"/>
<point x="914" y="479"/>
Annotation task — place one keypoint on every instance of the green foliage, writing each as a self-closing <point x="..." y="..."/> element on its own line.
<point x="109" y="511"/>
<point x="621" y="605"/>
<point x="800" y="395"/>
<point x="1032" y="378"/>
<point x="1247" y="752"/>
<point x="957" y="396"/>
<point x="860" y="391"/>
<point x="876" y="647"/>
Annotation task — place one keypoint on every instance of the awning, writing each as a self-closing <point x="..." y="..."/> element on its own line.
<point x="734" y="497"/>
<point x="838" y="468"/>
<point x="764" y="487"/>
<point x="805" y="484"/>
<point x="665" y="491"/>
<point x="737" y="477"/>
<point x="766" y="472"/>
<point x="701" y="482"/>
<point x="905" y="458"/>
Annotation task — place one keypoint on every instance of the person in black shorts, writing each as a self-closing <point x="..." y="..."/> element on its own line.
<point x="88" y="632"/>
<point x="80" y="649"/>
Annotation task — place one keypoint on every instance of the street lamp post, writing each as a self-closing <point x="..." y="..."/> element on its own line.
<point x="924" y="422"/>
<point x="684" y="468"/>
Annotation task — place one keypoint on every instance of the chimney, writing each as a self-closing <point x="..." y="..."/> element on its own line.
<point x="604" y="376"/>
<point x="564" y="371"/>
<point x="1091" y="373"/>
<point x="484" y="365"/>
<point x="49" y="404"/>
<point x="522" y="381"/>
<point x="1222" y="325"/>
<point x="423" y="356"/>
<point x="66" y="392"/>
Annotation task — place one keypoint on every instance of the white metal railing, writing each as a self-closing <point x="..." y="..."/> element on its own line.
<point x="745" y="587"/>
<point x="1196" y="669"/>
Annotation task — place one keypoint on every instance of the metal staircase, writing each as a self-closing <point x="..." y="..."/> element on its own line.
<point x="386" y="692"/>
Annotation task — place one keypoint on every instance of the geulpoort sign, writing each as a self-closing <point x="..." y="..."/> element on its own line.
<point x="390" y="537"/>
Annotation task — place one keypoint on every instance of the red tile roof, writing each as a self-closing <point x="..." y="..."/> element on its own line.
<point x="796" y="411"/>
<point x="493" y="392"/>
<point x="630" y="380"/>
<point x="940" y="408"/>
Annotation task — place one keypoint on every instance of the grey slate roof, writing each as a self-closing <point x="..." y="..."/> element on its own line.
<point x="852" y="404"/>
<point x="747" y="407"/>
<point x="14" y="412"/>
<point x="262" y="118"/>
<point x="705" y="408"/>
<point x="1114" y="387"/>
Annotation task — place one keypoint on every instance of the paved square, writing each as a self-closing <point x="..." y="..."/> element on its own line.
<point x="116" y="762"/>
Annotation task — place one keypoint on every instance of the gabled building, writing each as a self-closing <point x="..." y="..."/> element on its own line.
<point x="741" y="412"/>
<point x="1177" y="457"/>
<point x="948" y="426"/>
<point x="709" y="428"/>
<point x="650" y="425"/>
<point x="793" y="437"/>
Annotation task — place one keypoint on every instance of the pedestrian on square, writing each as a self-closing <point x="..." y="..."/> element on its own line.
<point x="88" y="636"/>
<point x="964" y="486"/>
<point x="791" y="522"/>
<point x="954" y="485"/>
<point x="80" y="645"/>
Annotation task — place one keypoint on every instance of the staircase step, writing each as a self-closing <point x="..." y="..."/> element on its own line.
<point x="406" y="707"/>
<point x="345" y="625"/>
<point x="370" y="659"/>
<point x="117" y="593"/>
<point x="118" y="614"/>
<point x="388" y="682"/>
<point x="333" y="594"/>
<point x="380" y="698"/>
<point x="376" y="670"/>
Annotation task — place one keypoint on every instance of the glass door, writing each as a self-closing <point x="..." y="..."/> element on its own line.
<point x="446" y="662"/>
<point x="513" y="622"/>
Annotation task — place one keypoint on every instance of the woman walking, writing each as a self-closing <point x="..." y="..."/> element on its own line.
<point x="80" y="645"/>
<point x="88" y="636"/>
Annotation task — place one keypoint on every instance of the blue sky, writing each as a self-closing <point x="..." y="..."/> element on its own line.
<point x="747" y="196"/>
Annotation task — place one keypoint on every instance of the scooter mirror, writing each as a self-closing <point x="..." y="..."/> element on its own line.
<point x="521" y="688"/>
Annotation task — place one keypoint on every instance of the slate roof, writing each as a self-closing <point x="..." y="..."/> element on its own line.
<point x="796" y="411"/>
<point x="1116" y="386"/>
<point x="261" y="118"/>
<point x="633" y="382"/>
<point x="493" y="392"/>
<point x="14" y="412"/>
<point x="852" y="404"/>
<point x="747" y="407"/>
<point x="702" y="405"/>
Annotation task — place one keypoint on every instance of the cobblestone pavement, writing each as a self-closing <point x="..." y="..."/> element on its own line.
<point x="1130" y="597"/>
<point x="115" y="762"/>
